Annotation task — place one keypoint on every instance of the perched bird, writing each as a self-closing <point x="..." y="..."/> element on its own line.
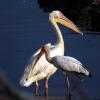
<point x="67" y="64"/>
<point x="43" y="69"/>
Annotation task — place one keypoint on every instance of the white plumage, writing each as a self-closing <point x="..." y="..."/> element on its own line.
<point x="67" y="64"/>
<point x="43" y="69"/>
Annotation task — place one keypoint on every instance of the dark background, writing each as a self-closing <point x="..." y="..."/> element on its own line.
<point x="85" y="13"/>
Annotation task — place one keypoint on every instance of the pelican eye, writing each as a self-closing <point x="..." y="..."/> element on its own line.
<point x="56" y="17"/>
<point x="60" y="14"/>
<point x="26" y="79"/>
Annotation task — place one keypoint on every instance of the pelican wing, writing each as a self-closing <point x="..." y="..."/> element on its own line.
<point x="33" y="58"/>
<point x="28" y="67"/>
<point x="31" y="71"/>
<point x="69" y="64"/>
<point x="31" y="61"/>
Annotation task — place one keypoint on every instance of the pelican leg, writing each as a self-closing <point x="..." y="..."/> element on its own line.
<point x="46" y="87"/>
<point x="69" y="88"/>
<point x="36" y="89"/>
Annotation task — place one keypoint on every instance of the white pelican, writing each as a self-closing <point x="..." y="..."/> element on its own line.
<point x="43" y="69"/>
<point x="67" y="64"/>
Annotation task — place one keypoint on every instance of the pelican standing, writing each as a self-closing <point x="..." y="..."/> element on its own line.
<point x="67" y="64"/>
<point x="43" y="69"/>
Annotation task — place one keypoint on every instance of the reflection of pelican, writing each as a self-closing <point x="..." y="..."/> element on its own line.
<point x="43" y="69"/>
<point x="67" y="64"/>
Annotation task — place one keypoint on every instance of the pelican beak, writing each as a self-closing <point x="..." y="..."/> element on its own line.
<point x="39" y="55"/>
<point x="68" y="23"/>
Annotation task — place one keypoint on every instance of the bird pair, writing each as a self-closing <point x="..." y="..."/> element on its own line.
<point x="44" y="63"/>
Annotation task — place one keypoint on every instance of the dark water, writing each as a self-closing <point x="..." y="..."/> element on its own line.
<point x="24" y="28"/>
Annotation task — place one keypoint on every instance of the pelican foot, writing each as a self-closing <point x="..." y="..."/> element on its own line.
<point x="46" y="88"/>
<point x="46" y="93"/>
<point x="36" y="92"/>
<point x="68" y="97"/>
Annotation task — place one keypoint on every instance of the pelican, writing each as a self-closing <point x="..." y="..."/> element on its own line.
<point x="67" y="64"/>
<point x="43" y="69"/>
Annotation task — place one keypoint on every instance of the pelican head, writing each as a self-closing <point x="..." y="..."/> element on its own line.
<point x="58" y="17"/>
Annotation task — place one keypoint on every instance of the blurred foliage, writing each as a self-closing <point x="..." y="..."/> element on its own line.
<point x="85" y="13"/>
